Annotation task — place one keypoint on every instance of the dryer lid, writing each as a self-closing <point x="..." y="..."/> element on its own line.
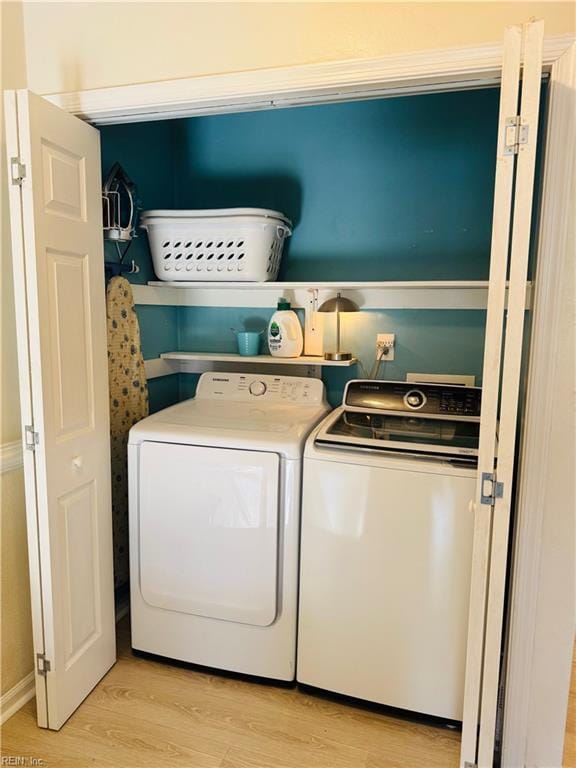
<point x="277" y="427"/>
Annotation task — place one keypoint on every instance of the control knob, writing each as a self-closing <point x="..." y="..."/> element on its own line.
<point x="414" y="399"/>
<point x="257" y="388"/>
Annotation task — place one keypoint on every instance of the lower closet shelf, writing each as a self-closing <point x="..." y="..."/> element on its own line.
<point x="229" y="357"/>
<point x="175" y="362"/>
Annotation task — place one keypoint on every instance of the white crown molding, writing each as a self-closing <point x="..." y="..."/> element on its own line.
<point x="16" y="697"/>
<point x="442" y="69"/>
<point x="10" y="456"/>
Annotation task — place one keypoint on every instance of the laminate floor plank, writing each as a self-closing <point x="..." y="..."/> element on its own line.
<point x="21" y="737"/>
<point x="148" y="714"/>
<point x="354" y="725"/>
<point x="570" y="735"/>
<point x="230" y="721"/>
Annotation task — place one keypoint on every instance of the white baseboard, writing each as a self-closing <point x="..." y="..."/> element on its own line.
<point x="16" y="697"/>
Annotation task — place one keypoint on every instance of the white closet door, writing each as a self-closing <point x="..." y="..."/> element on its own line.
<point x="56" y="224"/>
<point x="521" y="226"/>
<point x="517" y="137"/>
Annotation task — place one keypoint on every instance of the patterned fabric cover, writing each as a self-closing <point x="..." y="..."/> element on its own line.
<point x="128" y="404"/>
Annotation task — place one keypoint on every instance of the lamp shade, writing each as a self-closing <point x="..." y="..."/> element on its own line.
<point x="338" y="304"/>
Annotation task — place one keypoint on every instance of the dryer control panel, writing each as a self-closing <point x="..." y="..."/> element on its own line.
<point x="246" y="387"/>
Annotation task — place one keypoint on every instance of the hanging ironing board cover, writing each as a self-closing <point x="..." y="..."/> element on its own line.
<point x="128" y="404"/>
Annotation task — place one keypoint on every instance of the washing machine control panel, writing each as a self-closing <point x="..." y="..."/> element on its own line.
<point x="244" y="387"/>
<point x="450" y="401"/>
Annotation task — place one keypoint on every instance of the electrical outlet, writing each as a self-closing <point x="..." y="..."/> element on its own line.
<point x="385" y="343"/>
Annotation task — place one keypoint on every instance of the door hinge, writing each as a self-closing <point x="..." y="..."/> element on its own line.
<point x="515" y="133"/>
<point x="42" y="664"/>
<point x="468" y="764"/>
<point x="491" y="489"/>
<point x="17" y="171"/>
<point x="31" y="438"/>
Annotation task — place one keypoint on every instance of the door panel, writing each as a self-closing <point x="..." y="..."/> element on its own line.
<point x="80" y="540"/>
<point x="509" y="256"/>
<point x="64" y="176"/>
<point x="59" y="286"/>
<point x="503" y="189"/>
<point x="208" y="531"/>
<point x="515" y="322"/>
<point x="71" y="342"/>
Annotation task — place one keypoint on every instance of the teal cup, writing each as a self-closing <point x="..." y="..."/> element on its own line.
<point x="248" y="342"/>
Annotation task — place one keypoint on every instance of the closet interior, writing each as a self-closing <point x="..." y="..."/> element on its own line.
<point x="395" y="190"/>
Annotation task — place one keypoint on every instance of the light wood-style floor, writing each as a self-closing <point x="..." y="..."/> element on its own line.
<point x="570" y="737"/>
<point x="146" y="714"/>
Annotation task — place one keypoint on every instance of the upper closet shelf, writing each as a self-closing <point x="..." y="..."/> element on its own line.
<point x="455" y="294"/>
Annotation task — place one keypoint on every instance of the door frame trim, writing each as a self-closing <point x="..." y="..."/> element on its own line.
<point x="333" y="81"/>
<point x="419" y="72"/>
<point x="522" y="703"/>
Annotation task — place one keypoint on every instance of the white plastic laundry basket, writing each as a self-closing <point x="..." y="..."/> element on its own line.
<point x="227" y="245"/>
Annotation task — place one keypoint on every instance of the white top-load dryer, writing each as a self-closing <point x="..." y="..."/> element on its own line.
<point x="214" y="497"/>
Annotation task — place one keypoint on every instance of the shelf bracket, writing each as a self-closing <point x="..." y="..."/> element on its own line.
<point x="314" y="371"/>
<point x="313" y="325"/>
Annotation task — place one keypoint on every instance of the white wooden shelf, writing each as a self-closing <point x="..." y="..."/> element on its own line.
<point x="197" y="362"/>
<point x="329" y="284"/>
<point x="455" y="294"/>
<point x="224" y="357"/>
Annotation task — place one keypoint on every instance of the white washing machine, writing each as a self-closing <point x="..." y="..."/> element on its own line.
<point x="214" y="496"/>
<point x="386" y="549"/>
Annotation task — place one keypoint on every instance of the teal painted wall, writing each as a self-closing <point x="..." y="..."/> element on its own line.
<point x="159" y="333"/>
<point x="396" y="189"/>
<point x="145" y="150"/>
<point x="427" y="341"/>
